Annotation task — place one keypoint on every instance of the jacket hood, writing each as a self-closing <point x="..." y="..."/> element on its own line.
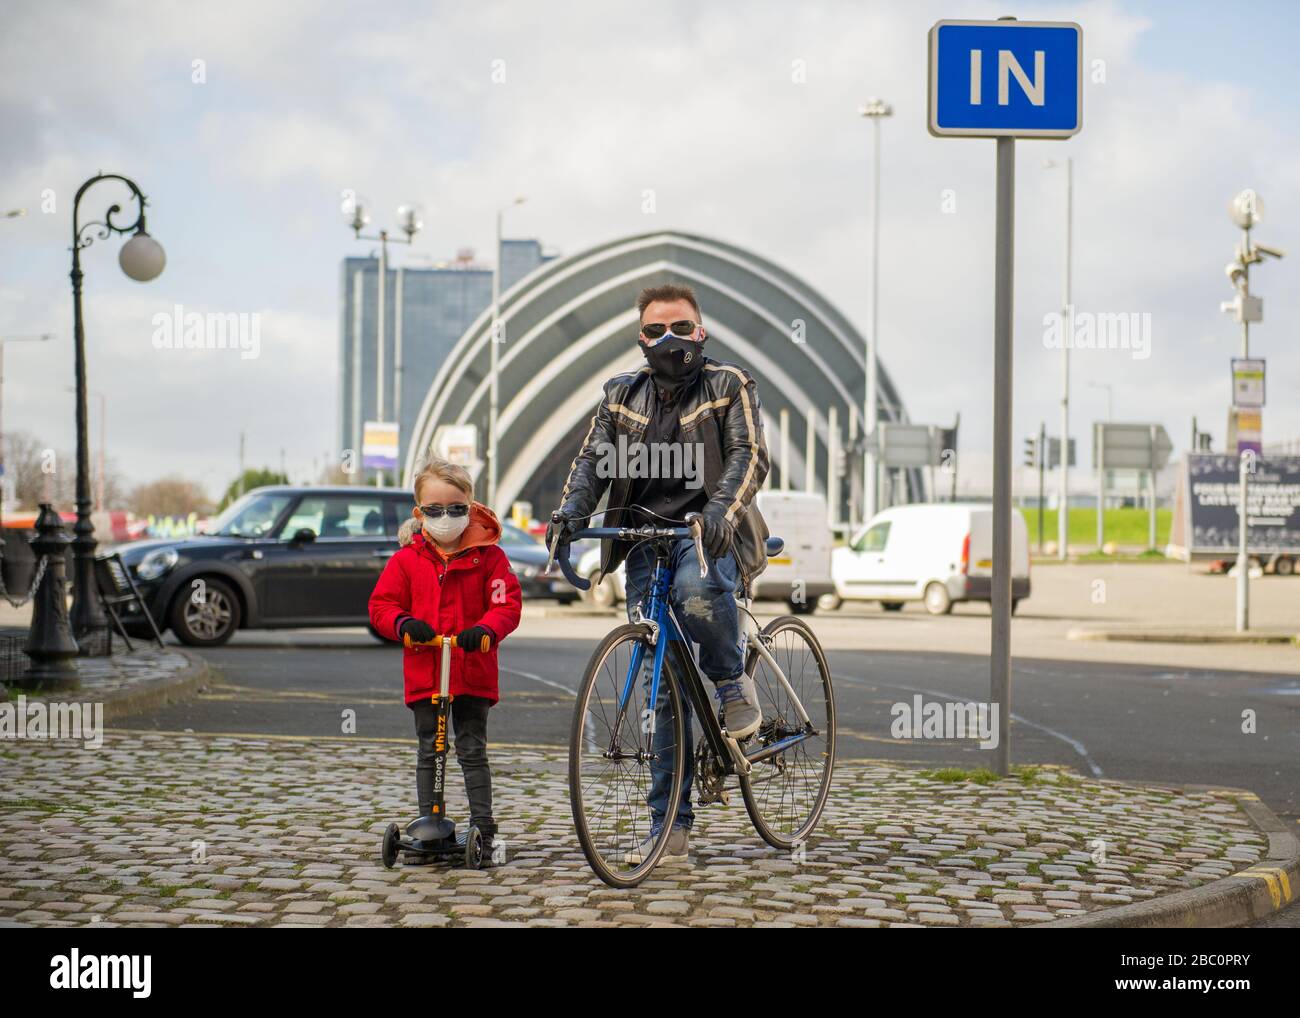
<point x="483" y="529"/>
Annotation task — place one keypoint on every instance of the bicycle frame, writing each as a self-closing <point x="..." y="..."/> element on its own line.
<point x="666" y="629"/>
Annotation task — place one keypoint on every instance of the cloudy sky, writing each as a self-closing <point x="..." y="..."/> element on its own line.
<point x="742" y="117"/>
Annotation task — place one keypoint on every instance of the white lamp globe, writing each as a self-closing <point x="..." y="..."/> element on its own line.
<point x="142" y="258"/>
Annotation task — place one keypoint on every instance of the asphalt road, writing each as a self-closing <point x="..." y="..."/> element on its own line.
<point x="1135" y="722"/>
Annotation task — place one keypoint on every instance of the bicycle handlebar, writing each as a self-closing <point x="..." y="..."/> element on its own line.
<point x="560" y="546"/>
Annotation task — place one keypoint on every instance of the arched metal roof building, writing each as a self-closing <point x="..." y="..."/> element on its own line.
<point x="572" y="323"/>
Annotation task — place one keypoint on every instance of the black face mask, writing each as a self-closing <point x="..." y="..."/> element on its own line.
<point x="675" y="361"/>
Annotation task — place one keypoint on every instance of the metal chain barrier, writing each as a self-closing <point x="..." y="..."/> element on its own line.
<point x="18" y="602"/>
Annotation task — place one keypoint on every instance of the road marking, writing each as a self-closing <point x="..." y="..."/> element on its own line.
<point x="1279" y="885"/>
<point x="1069" y="740"/>
<point x="538" y="678"/>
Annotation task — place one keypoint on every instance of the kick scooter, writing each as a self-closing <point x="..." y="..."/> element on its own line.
<point x="435" y="836"/>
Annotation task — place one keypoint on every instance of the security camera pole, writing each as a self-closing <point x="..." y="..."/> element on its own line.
<point x="1246" y="209"/>
<point x="1004" y="79"/>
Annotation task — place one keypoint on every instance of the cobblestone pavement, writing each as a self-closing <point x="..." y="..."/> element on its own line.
<point x="178" y="829"/>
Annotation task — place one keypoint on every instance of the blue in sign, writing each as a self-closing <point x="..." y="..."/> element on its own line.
<point x="1006" y="78"/>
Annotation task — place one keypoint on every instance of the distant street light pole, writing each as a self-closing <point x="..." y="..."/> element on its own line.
<point x="142" y="258"/>
<point x="408" y="218"/>
<point x="1110" y="398"/>
<point x="1067" y="309"/>
<point x="494" y="340"/>
<point x="875" y="110"/>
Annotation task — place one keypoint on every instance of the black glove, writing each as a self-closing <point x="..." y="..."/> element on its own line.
<point x="475" y="638"/>
<point x="418" y="630"/>
<point x="718" y="532"/>
<point x="564" y="522"/>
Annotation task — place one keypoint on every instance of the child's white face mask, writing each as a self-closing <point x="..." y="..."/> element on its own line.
<point x="445" y="528"/>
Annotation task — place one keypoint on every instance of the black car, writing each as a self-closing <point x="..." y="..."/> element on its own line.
<point x="287" y="556"/>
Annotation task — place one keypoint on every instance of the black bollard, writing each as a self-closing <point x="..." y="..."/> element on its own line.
<point x="50" y="643"/>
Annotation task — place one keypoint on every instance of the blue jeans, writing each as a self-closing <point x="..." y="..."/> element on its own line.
<point x="707" y="609"/>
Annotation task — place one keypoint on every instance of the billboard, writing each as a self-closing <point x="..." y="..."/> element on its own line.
<point x="1273" y="503"/>
<point x="379" y="446"/>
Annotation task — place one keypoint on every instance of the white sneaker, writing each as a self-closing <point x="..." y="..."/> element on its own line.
<point x="678" y="849"/>
<point x="741" y="714"/>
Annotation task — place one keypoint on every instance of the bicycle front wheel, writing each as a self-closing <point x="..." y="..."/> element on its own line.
<point x="786" y="793"/>
<point x="622" y="755"/>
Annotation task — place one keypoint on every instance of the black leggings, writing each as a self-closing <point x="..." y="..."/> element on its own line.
<point x="469" y="722"/>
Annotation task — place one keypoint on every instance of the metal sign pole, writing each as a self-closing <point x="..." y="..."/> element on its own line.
<point x="1004" y="260"/>
<point x="1243" y="484"/>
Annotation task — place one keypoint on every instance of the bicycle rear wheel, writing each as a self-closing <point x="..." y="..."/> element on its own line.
<point x="786" y="793"/>
<point x="614" y="757"/>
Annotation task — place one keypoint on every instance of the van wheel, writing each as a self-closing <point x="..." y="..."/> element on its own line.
<point x="830" y="602"/>
<point x="937" y="601"/>
<point x="892" y="606"/>
<point x="1284" y="566"/>
<point x="802" y="607"/>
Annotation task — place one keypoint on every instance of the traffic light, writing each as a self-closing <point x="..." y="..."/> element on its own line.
<point x="1031" y="451"/>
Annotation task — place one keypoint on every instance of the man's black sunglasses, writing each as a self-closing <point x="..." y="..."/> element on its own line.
<point x="455" y="510"/>
<point x="654" y="330"/>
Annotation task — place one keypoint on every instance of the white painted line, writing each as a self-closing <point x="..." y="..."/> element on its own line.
<point x="1070" y="741"/>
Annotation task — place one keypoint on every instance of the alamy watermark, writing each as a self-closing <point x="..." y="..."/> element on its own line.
<point x="634" y="459"/>
<point x="1105" y="330"/>
<point x="214" y="330"/>
<point x="950" y="720"/>
<point x="80" y="722"/>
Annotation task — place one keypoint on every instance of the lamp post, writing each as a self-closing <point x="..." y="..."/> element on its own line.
<point x="1246" y="210"/>
<point x="141" y="258"/>
<point x="100" y="457"/>
<point x="494" y="340"/>
<point x="1067" y="309"/>
<point x="875" y="110"/>
<point x="408" y="218"/>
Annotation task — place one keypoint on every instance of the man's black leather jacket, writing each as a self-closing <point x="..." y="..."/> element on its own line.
<point x="720" y="411"/>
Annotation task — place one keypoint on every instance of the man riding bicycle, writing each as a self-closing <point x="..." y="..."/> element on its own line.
<point x="703" y="418"/>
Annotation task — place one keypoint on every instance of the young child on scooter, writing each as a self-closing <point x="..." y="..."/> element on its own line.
<point x="450" y="577"/>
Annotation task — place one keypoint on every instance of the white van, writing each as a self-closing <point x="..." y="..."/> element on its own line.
<point x="800" y="575"/>
<point x="938" y="554"/>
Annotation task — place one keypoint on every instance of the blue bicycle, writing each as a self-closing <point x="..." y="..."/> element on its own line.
<point x="628" y="730"/>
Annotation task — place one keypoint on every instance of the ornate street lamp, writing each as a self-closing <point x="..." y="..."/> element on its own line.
<point x="410" y="220"/>
<point x="142" y="259"/>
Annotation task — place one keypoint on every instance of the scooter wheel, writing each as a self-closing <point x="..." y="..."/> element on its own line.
<point x="474" y="848"/>
<point x="388" y="853"/>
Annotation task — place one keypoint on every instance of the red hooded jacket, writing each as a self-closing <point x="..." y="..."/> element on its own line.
<point x="475" y="587"/>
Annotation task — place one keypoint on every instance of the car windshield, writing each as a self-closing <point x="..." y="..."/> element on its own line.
<point x="251" y="516"/>
<point x="511" y="534"/>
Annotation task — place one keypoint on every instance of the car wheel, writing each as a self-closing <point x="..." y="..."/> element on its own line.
<point x="209" y="622"/>
<point x="892" y="606"/>
<point x="937" y="601"/>
<point x="830" y="602"/>
<point x="1284" y="566"/>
